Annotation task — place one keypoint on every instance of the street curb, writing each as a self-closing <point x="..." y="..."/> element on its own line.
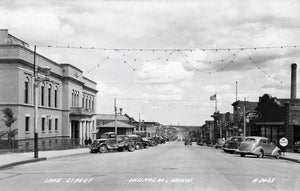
<point x="22" y="162"/>
<point x="290" y="159"/>
<point x="64" y="156"/>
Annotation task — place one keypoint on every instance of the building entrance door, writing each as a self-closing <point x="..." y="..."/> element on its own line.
<point x="75" y="129"/>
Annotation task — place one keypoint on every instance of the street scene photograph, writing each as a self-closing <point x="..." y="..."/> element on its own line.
<point x="149" y="95"/>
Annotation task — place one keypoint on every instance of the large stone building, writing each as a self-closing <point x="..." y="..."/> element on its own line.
<point x="66" y="102"/>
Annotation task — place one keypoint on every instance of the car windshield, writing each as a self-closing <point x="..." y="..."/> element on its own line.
<point x="250" y="139"/>
<point x="107" y="136"/>
<point x="236" y="139"/>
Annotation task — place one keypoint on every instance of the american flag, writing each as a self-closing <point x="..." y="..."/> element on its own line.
<point x="213" y="97"/>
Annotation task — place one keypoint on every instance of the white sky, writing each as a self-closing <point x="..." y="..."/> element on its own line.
<point x="168" y="87"/>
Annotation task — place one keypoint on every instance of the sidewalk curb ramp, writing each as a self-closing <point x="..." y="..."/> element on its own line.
<point x="22" y="162"/>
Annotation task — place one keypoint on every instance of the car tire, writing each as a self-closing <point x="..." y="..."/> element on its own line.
<point x="242" y="155"/>
<point x="260" y="154"/>
<point x="103" y="149"/>
<point x="278" y="155"/>
<point x="137" y="147"/>
<point x="298" y="150"/>
<point x="131" y="148"/>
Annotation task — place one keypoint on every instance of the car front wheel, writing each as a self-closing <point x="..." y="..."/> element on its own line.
<point x="260" y="154"/>
<point x="131" y="148"/>
<point x="278" y="154"/>
<point x="103" y="149"/>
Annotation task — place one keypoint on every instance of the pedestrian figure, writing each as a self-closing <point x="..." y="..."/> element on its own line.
<point x="86" y="142"/>
<point x="90" y="141"/>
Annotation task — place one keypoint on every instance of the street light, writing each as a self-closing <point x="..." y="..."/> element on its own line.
<point x="244" y="120"/>
<point x="116" y="115"/>
<point x="37" y="81"/>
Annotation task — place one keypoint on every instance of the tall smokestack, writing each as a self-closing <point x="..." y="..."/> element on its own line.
<point x="294" y="81"/>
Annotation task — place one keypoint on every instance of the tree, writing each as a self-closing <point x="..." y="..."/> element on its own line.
<point x="9" y="119"/>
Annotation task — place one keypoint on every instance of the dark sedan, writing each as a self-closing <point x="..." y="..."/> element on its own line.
<point x="232" y="144"/>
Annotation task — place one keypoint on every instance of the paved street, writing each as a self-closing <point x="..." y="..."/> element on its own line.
<point x="171" y="166"/>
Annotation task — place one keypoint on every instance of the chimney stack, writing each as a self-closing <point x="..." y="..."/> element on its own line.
<point x="294" y="81"/>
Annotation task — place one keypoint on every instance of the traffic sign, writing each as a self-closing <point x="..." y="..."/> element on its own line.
<point x="283" y="142"/>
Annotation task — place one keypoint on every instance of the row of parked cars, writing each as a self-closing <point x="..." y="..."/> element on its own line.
<point x="253" y="145"/>
<point x="109" y="142"/>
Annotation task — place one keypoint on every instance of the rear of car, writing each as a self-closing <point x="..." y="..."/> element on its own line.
<point x="258" y="146"/>
<point x="220" y="143"/>
<point x="247" y="147"/>
<point x="231" y="145"/>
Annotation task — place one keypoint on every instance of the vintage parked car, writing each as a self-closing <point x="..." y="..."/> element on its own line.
<point x="220" y="143"/>
<point x="296" y="147"/>
<point x="152" y="142"/>
<point x="187" y="141"/>
<point x="107" y="142"/>
<point x="232" y="144"/>
<point x="259" y="146"/>
<point x="139" y="142"/>
<point x="203" y="142"/>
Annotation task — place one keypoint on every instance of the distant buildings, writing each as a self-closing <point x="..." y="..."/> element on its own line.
<point x="277" y="118"/>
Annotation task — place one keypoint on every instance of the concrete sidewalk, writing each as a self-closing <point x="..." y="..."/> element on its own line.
<point x="13" y="159"/>
<point x="295" y="157"/>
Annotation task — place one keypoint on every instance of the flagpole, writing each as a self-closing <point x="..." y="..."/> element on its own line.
<point x="216" y="106"/>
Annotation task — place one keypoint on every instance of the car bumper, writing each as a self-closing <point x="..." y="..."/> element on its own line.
<point x="246" y="152"/>
<point x="230" y="149"/>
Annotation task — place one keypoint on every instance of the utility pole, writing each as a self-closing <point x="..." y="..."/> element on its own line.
<point x="244" y="117"/>
<point x="236" y="90"/>
<point x="139" y="123"/>
<point x="116" y="115"/>
<point x="35" y="105"/>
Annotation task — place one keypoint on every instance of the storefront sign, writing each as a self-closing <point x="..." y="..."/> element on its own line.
<point x="253" y="115"/>
<point x="283" y="142"/>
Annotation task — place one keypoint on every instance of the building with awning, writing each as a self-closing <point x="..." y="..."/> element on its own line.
<point x="122" y="128"/>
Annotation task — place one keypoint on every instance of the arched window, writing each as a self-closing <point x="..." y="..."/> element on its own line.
<point x="86" y="102"/>
<point x="93" y="105"/>
<point x="42" y="94"/>
<point x="26" y="90"/>
<point x="73" y="98"/>
<point x="49" y="95"/>
<point x="55" y="97"/>
<point x="89" y="103"/>
<point x="82" y="101"/>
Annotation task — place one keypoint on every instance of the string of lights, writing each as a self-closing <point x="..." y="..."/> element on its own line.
<point x="214" y="61"/>
<point x="264" y="71"/>
<point x="170" y="104"/>
<point x="147" y="60"/>
<point x="183" y="52"/>
<point x="171" y="49"/>
<point x="98" y="65"/>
